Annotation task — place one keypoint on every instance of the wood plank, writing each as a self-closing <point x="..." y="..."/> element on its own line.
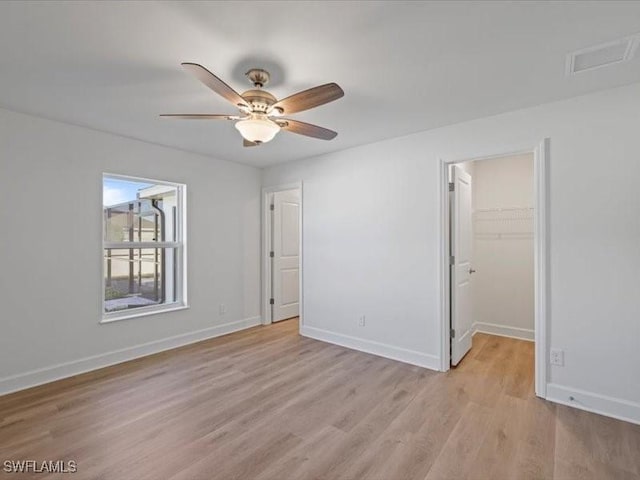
<point x="267" y="404"/>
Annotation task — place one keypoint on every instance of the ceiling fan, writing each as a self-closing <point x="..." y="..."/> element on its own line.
<point x="261" y="113"/>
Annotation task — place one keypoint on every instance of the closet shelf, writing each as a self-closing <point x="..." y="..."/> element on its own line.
<point x="499" y="223"/>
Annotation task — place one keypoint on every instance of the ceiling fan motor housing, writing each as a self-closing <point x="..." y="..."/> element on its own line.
<point x="260" y="100"/>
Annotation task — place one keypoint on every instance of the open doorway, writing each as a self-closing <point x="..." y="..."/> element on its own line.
<point x="491" y="244"/>
<point x="282" y="253"/>
<point x="494" y="257"/>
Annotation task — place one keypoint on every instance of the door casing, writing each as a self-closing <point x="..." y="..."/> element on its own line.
<point x="541" y="153"/>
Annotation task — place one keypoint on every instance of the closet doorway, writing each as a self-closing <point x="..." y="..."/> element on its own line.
<point x="494" y="262"/>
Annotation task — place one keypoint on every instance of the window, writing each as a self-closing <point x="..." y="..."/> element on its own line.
<point x="143" y="246"/>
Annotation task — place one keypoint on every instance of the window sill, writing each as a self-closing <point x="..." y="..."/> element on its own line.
<point x="141" y="312"/>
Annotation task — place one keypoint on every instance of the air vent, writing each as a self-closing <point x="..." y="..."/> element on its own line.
<point x="602" y="55"/>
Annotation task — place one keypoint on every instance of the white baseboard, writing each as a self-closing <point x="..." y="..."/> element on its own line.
<point x="503" y="331"/>
<point x="413" y="357"/>
<point x="595" y="403"/>
<point x="69" y="369"/>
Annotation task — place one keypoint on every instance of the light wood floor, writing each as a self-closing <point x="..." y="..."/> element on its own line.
<point x="268" y="404"/>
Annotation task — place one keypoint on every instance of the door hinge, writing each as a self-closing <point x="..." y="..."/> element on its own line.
<point x="452" y="260"/>
<point x="452" y="186"/>
<point x="271" y="254"/>
<point x="271" y="302"/>
<point x="453" y="333"/>
<point x="272" y="207"/>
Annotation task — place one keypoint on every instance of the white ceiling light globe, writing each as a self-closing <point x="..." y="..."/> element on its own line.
<point x="258" y="130"/>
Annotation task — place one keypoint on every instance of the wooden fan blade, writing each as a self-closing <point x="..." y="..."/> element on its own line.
<point x="247" y="143"/>
<point x="307" y="129"/>
<point x="199" y="116"/>
<point x="311" y="98"/>
<point x="214" y="83"/>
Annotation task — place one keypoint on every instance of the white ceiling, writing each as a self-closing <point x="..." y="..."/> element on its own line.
<point x="404" y="66"/>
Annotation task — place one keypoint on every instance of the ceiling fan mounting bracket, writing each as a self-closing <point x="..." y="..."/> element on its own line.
<point x="258" y="77"/>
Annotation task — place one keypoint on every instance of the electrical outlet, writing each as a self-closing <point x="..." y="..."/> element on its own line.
<point x="222" y="309"/>
<point x="361" y="321"/>
<point x="557" y="358"/>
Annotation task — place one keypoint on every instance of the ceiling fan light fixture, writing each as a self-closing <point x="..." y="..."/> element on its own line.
<point x="260" y="117"/>
<point x="257" y="129"/>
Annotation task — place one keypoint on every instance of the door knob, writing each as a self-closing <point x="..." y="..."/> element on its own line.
<point x="471" y="270"/>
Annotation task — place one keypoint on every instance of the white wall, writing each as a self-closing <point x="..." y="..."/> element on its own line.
<point x="502" y="287"/>
<point x="51" y="257"/>
<point x="370" y="240"/>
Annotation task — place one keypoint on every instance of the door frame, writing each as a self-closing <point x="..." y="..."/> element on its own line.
<point x="266" y="248"/>
<point x="541" y="154"/>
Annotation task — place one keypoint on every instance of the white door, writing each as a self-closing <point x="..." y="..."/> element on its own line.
<point x="286" y="250"/>
<point x="461" y="246"/>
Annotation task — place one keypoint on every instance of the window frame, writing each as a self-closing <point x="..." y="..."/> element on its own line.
<point x="179" y="246"/>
